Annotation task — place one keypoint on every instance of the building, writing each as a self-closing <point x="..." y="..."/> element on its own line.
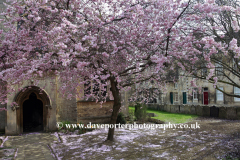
<point x="40" y="107"/>
<point x="180" y="92"/>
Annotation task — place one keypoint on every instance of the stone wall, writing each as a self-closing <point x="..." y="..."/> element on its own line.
<point x="230" y="112"/>
<point x="66" y="109"/>
<point x="2" y="118"/>
<point x="125" y="103"/>
<point x="92" y="112"/>
<point x="47" y="85"/>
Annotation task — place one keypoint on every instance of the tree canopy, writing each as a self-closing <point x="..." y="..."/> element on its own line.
<point x="120" y="43"/>
<point x="218" y="60"/>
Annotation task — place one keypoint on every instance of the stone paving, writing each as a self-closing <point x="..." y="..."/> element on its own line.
<point x="34" y="146"/>
<point x="214" y="140"/>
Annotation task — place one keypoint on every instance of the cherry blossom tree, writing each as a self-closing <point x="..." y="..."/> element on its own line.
<point x="222" y="34"/>
<point x="119" y="43"/>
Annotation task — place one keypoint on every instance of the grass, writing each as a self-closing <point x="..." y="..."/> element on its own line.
<point x="170" y="117"/>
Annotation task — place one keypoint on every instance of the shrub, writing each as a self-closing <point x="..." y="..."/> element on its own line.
<point x="121" y="118"/>
<point x="131" y="115"/>
<point x="141" y="112"/>
<point x="64" y="124"/>
<point x="71" y="129"/>
<point x="84" y="129"/>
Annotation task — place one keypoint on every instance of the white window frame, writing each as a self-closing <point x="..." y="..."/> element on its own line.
<point x="175" y="85"/>
<point x="176" y="98"/>
<point x="219" y="94"/>
<point x="218" y="69"/>
<point x="237" y="92"/>
<point x="204" y="72"/>
<point x="195" y="92"/>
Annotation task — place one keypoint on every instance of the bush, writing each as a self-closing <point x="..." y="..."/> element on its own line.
<point x="131" y="115"/>
<point x="64" y="124"/>
<point x="141" y="112"/>
<point x="121" y="118"/>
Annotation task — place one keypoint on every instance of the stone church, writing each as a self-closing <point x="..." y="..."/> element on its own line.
<point x="40" y="107"/>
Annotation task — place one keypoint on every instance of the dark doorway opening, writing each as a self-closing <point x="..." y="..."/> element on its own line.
<point x="32" y="114"/>
<point x="214" y="111"/>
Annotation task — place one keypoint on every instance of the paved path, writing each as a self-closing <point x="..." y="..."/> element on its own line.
<point x="213" y="141"/>
<point x="34" y="146"/>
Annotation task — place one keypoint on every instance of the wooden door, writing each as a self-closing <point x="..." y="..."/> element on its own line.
<point x="205" y="98"/>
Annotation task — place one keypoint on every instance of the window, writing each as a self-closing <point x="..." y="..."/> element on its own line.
<point x="104" y="90"/>
<point x="175" y="85"/>
<point x="236" y="92"/>
<point x="204" y="72"/>
<point x="235" y="65"/>
<point x="184" y="97"/>
<point x="152" y="95"/>
<point x="87" y="87"/>
<point x="171" y="97"/>
<point x="176" y="96"/>
<point x="195" y="96"/>
<point x="219" y="94"/>
<point x="205" y="89"/>
<point x="219" y="69"/>
<point x="95" y="88"/>
<point x="161" y="98"/>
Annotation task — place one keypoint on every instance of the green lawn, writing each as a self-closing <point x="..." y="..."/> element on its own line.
<point x="170" y="117"/>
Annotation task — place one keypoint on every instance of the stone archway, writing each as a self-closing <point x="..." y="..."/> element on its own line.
<point x="32" y="96"/>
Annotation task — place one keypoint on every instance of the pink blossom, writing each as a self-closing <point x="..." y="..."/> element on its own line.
<point x="211" y="1"/>
<point x="37" y="19"/>
<point x="105" y="54"/>
<point x="3" y="109"/>
<point x="235" y="26"/>
<point x="82" y="64"/>
<point x="193" y="83"/>
<point x="44" y="1"/>
<point x="210" y="74"/>
<point x="79" y="47"/>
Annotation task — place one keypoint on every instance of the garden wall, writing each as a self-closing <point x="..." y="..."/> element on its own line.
<point x="88" y="111"/>
<point x="230" y="112"/>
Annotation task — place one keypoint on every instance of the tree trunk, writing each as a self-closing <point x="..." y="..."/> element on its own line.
<point x="113" y="121"/>
<point x="116" y="107"/>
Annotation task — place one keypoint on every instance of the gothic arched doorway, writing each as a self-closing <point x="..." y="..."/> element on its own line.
<point x="32" y="114"/>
